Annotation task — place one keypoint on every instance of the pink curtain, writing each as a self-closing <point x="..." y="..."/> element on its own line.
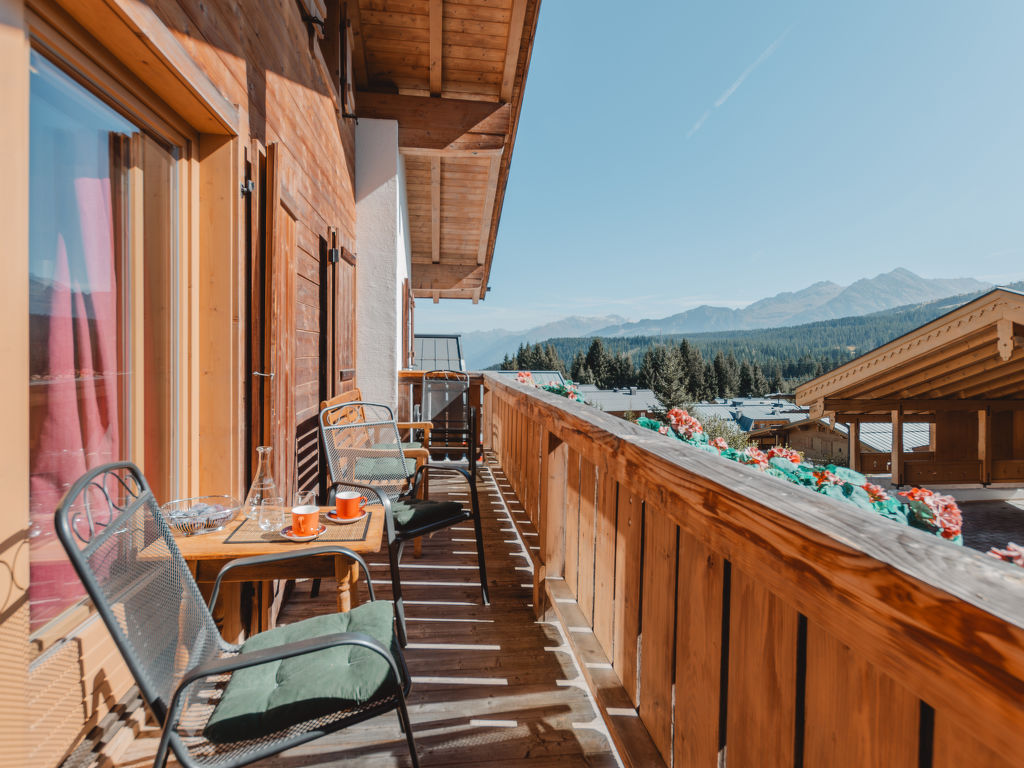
<point x="75" y="403"/>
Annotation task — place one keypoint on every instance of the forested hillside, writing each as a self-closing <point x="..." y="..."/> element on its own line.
<point x="687" y="367"/>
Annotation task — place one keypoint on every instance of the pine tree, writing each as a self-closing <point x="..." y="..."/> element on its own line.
<point x="746" y="380"/>
<point x="760" y="382"/>
<point x="579" y="362"/>
<point x="597" y="361"/>
<point x="661" y="373"/>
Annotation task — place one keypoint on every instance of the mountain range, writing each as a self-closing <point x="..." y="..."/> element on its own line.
<point x="823" y="300"/>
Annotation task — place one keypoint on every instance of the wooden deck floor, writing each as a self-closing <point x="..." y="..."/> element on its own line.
<point x="491" y="686"/>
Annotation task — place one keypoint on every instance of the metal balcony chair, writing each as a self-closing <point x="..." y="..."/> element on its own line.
<point x="444" y="401"/>
<point x="220" y="704"/>
<point x="365" y="454"/>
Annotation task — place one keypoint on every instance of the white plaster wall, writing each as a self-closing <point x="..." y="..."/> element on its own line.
<point x="383" y="258"/>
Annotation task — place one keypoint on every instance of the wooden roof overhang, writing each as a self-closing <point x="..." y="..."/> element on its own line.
<point x="968" y="359"/>
<point x="451" y="72"/>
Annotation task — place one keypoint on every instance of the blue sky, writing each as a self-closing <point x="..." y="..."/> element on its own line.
<point x="676" y="153"/>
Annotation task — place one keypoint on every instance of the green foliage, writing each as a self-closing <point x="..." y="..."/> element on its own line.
<point x="727" y="429"/>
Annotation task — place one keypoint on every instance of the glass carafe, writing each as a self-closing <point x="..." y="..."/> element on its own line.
<point x="263" y="485"/>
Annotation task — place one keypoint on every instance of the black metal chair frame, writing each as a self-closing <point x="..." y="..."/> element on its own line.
<point x="398" y="536"/>
<point x="131" y="513"/>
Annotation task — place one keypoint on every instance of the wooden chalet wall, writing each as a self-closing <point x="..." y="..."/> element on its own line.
<point x="721" y="616"/>
<point x="247" y="83"/>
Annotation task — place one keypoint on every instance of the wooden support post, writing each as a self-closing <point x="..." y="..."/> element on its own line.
<point x="897" y="447"/>
<point x="436" y="55"/>
<point x="985" y="444"/>
<point x="854" y="428"/>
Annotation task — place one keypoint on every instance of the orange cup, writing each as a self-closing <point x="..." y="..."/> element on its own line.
<point x="305" y="520"/>
<point x="346" y="505"/>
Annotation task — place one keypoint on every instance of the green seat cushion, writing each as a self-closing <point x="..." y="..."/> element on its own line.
<point x="416" y="513"/>
<point x="384" y="467"/>
<point x="279" y="694"/>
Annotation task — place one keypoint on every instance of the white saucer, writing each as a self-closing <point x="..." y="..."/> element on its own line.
<point x="333" y="517"/>
<point x="286" y="532"/>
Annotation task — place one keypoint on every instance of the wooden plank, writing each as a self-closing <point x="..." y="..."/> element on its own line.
<point x="588" y="508"/>
<point x="552" y="519"/>
<point x="488" y="212"/>
<point x="658" y="622"/>
<point x="854" y="445"/>
<point x="698" y="677"/>
<point x="855" y="715"/>
<point x="432" y="123"/>
<point x="436" y="55"/>
<point x="512" y="46"/>
<point x="762" y="669"/>
<point x="628" y="548"/>
<point x="435" y="209"/>
<point x="572" y="522"/>
<point x="604" y="561"/>
<point x="956" y="747"/>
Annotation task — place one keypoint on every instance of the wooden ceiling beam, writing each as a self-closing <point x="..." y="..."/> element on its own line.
<point x="515" y="39"/>
<point x="490" y="195"/>
<point x="855" y="408"/>
<point x="439" y="124"/>
<point x="359" y="68"/>
<point x="435" y="209"/>
<point x="445" y="277"/>
<point x="436" y="52"/>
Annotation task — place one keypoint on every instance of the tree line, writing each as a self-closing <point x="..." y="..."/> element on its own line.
<point x="677" y="373"/>
<point x="746" y="363"/>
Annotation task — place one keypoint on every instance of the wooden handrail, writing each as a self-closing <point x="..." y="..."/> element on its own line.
<point x="765" y="618"/>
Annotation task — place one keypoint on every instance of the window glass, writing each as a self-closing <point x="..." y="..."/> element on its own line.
<point x="102" y="214"/>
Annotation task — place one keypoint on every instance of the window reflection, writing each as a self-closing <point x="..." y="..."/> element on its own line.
<point x="93" y="296"/>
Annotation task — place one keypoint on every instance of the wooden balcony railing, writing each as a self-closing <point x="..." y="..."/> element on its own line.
<point x="734" y="615"/>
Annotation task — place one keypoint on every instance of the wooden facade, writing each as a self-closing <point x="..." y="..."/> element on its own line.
<point x="248" y="275"/>
<point x="722" y="616"/>
<point x="963" y="371"/>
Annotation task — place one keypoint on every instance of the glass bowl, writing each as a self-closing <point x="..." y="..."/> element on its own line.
<point x="200" y="514"/>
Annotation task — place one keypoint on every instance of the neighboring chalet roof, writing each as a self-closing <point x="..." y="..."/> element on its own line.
<point x="620" y="400"/>
<point x="452" y="75"/>
<point x="876" y="436"/>
<point x="750" y="411"/>
<point x="974" y="353"/>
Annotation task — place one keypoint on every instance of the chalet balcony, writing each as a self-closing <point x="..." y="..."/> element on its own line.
<point x="654" y="604"/>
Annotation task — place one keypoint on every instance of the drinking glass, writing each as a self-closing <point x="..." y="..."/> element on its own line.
<point x="271" y="515"/>
<point x="305" y="498"/>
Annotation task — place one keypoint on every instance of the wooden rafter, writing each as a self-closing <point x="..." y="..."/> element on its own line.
<point x="488" y="213"/>
<point x="358" y="44"/>
<point x="441" y="124"/>
<point x="436" y="50"/>
<point x="435" y="209"/>
<point x="515" y="39"/>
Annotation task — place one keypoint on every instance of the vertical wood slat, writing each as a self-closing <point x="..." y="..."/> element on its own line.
<point x="604" y="561"/>
<point x="855" y="715"/>
<point x="658" y="625"/>
<point x="762" y="676"/>
<point x="699" y="608"/>
<point x="572" y="522"/>
<point x="588" y="508"/>
<point x="627" y="589"/>
<point x="552" y="519"/>
<point x="953" y="747"/>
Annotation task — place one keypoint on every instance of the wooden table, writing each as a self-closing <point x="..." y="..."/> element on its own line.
<point x="207" y="553"/>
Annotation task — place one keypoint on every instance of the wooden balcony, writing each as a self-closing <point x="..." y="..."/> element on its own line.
<point x="653" y="600"/>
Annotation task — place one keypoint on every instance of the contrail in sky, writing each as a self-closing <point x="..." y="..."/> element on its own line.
<point x="767" y="52"/>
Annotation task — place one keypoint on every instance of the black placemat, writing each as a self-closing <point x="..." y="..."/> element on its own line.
<point x="249" y="532"/>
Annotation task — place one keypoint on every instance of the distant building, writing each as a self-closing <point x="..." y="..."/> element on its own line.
<point x="821" y="441"/>
<point x="620" y="402"/>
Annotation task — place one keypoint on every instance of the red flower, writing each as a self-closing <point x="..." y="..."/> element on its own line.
<point x="785" y="453"/>
<point x="876" y="492"/>
<point x="754" y="457"/>
<point x="824" y="477"/>
<point x="945" y="512"/>
<point x="719" y="443"/>
<point x="1014" y="553"/>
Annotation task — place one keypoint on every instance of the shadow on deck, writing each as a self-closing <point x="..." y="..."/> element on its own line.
<point x="491" y="685"/>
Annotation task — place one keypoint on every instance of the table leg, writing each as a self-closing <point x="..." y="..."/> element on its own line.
<point x="346" y="573"/>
